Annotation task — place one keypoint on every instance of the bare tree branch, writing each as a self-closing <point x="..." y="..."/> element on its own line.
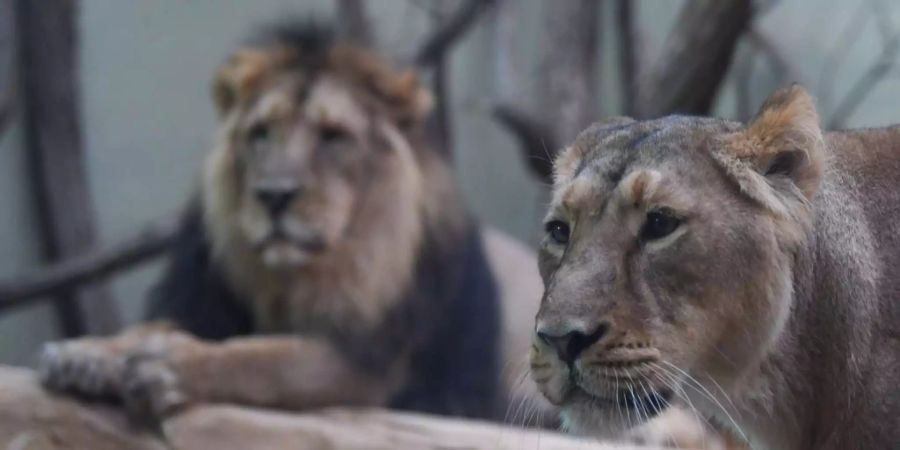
<point x="7" y="62"/>
<point x="838" y="54"/>
<point x="506" y="83"/>
<point x="441" y="121"/>
<point x="455" y="26"/>
<point x="49" y="54"/>
<point x="865" y="84"/>
<point x="90" y="267"/>
<point x="743" y="71"/>
<point x="353" y="22"/>
<point x="536" y="140"/>
<point x="781" y="66"/>
<point x="628" y="54"/>
<point x="695" y="58"/>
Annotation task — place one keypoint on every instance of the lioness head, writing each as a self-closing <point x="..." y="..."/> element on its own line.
<point x="668" y="256"/>
<point x="313" y="141"/>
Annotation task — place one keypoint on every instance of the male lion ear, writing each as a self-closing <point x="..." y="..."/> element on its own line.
<point x="238" y="78"/>
<point x="783" y="143"/>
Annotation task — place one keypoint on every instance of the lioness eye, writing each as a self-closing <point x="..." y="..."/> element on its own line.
<point x="558" y="231"/>
<point x="659" y="224"/>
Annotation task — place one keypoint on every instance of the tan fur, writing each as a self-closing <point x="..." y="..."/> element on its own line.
<point x="346" y="253"/>
<point x="771" y="306"/>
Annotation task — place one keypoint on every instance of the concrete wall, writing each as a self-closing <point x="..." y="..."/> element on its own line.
<point x="148" y="119"/>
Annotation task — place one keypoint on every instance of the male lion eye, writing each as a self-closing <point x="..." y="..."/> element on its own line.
<point x="558" y="231"/>
<point x="659" y="224"/>
<point x="258" y="134"/>
<point x="331" y="133"/>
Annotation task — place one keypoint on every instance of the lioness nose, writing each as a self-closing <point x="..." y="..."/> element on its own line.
<point x="569" y="346"/>
<point x="276" y="199"/>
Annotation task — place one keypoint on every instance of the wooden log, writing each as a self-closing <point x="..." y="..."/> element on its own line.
<point x="48" y="48"/>
<point x="33" y="419"/>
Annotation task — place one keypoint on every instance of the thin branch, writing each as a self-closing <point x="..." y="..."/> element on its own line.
<point x="455" y="26"/>
<point x="353" y="22"/>
<point x="869" y="80"/>
<point x="781" y="66"/>
<point x="8" y="58"/>
<point x="441" y="121"/>
<point x="685" y="80"/>
<point x="628" y="54"/>
<point x="536" y="140"/>
<point x="91" y="267"/>
<point x="836" y="57"/>
<point x="743" y="72"/>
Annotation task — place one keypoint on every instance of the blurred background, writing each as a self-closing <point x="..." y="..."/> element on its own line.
<point x="105" y="114"/>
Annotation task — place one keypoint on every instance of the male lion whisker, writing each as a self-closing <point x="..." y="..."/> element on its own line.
<point x="709" y="395"/>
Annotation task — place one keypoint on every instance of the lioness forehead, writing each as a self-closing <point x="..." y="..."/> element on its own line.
<point x="604" y="156"/>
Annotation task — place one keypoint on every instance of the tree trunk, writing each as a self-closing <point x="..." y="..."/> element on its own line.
<point x="568" y="75"/>
<point x="694" y="59"/>
<point x="48" y="49"/>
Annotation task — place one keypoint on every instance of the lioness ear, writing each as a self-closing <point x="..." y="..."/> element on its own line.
<point x="783" y="144"/>
<point x="238" y="78"/>
<point x="789" y="139"/>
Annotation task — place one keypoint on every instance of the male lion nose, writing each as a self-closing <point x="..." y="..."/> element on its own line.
<point x="275" y="199"/>
<point x="569" y="345"/>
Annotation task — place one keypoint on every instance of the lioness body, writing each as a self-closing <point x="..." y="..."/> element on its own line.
<point x="751" y="272"/>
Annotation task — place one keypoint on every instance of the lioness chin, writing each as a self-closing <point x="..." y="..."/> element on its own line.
<point x="748" y="271"/>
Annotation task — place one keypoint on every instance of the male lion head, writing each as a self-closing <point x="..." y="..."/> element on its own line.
<point x="668" y="258"/>
<point x="313" y="141"/>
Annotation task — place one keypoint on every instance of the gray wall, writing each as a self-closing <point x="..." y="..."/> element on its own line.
<point x="148" y="119"/>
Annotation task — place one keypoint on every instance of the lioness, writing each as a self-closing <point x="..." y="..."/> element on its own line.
<point x="749" y="271"/>
<point x="326" y="222"/>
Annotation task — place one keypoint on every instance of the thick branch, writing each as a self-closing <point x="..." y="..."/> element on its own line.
<point x="535" y="139"/>
<point x="695" y="58"/>
<point x="454" y="27"/>
<point x="353" y="22"/>
<point x="53" y="137"/>
<point x="91" y="267"/>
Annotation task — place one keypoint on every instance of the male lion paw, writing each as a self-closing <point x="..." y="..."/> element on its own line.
<point x="81" y="366"/>
<point x="151" y="389"/>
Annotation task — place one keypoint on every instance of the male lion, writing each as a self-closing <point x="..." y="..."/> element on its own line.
<point x="326" y="222"/>
<point x="751" y="271"/>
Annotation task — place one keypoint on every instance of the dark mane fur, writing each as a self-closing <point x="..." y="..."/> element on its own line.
<point x="449" y="317"/>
